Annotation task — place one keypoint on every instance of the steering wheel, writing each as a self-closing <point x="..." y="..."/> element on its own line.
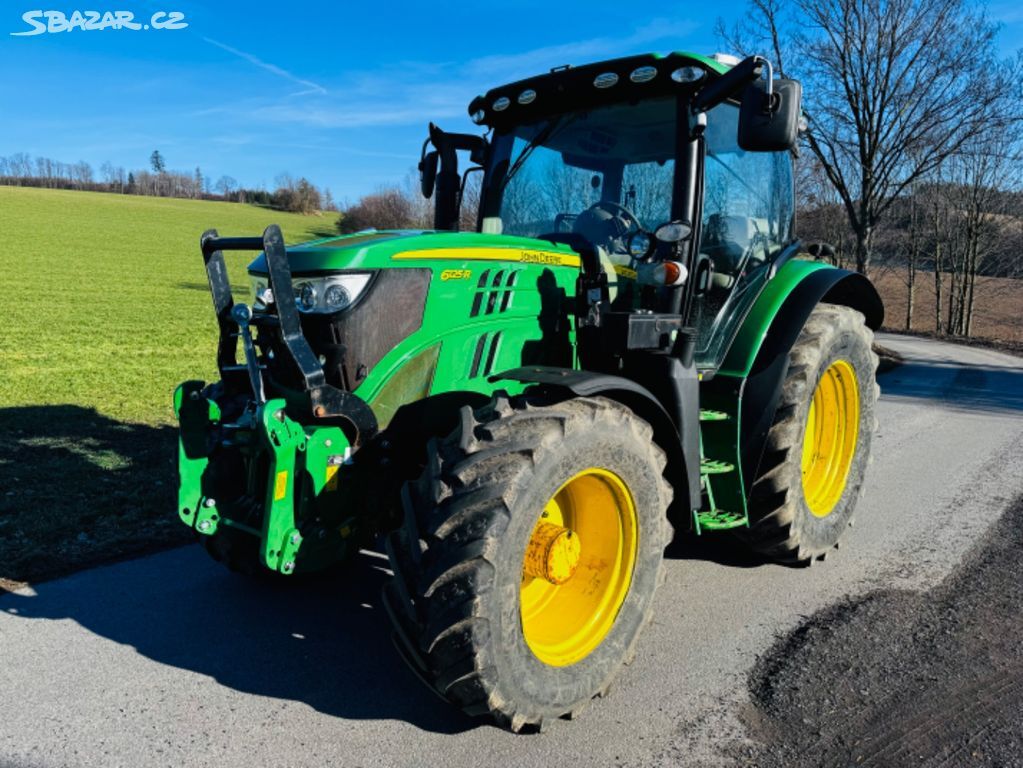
<point x="605" y="222"/>
<point x="619" y="211"/>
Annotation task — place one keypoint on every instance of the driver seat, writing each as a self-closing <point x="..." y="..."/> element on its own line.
<point x="726" y="240"/>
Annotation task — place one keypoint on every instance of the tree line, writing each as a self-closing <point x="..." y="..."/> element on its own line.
<point x="910" y="161"/>
<point x="289" y="194"/>
<point x="402" y="206"/>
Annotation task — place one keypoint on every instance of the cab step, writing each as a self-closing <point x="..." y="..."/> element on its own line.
<point x="718" y="520"/>
<point x="714" y="467"/>
<point x="708" y="415"/>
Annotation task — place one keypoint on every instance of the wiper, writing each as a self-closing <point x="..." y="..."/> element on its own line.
<point x="540" y="138"/>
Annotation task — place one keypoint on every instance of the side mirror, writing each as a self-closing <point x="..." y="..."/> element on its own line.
<point x="428" y="173"/>
<point x="769" y="122"/>
<point x="674" y="231"/>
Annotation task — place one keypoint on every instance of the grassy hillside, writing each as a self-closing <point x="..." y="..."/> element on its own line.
<point x="106" y="302"/>
<point x="105" y="310"/>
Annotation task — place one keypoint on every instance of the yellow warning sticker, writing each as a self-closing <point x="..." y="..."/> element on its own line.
<point x="330" y="483"/>
<point x="281" y="485"/>
<point x="623" y="271"/>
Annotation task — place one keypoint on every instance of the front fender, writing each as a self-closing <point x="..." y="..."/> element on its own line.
<point x="683" y="468"/>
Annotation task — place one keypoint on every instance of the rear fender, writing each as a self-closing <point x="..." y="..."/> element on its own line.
<point x="755" y="367"/>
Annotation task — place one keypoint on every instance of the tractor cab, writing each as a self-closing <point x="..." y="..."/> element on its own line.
<point x="607" y="156"/>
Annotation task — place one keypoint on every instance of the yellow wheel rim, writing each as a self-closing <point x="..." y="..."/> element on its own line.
<point x="829" y="441"/>
<point x="578" y="567"/>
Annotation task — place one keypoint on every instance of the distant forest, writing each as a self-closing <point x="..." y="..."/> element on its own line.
<point x="289" y="194"/>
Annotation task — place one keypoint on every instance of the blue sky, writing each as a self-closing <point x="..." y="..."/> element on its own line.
<point x="338" y="92"/>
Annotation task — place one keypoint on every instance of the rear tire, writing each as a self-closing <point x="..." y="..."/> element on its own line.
<point x="458" y="594"/>
<point x="801" y="504"/>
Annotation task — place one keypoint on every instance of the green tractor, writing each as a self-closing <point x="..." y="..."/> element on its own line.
<point x="630" y="341"/>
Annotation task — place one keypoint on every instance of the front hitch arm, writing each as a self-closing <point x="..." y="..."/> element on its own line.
<point x="325" y="401"/>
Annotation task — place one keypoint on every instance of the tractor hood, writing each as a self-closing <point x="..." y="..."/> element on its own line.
<point x="416" y="248"/>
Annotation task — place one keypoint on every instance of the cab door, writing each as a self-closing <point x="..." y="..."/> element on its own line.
<point x="747" y="224"/>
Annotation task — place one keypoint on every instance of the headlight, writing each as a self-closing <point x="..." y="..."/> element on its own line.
<point x="260" y="292"/>
<point x="326" y="295"/>
<point x="323" y="295"/>
<point x="336" y="297"/>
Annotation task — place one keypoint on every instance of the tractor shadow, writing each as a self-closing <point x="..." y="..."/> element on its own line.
<point x="79" y="489"/>
<point x="325" y="643"/>
<point x="714" y="547"/>
<point x="989" y="389"/>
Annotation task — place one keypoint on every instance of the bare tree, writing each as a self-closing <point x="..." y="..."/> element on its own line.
<point x="298" y="196"/>
<point x="81" y="173"/>
<point x="912" y="255"/>
<point x="328" y="201"/>
<point x="647" y="187"/>
<point x="225" y="185"/>
<point x="892" y="89"/>
<point x="469" y="201"/>
<point x="975" y="211"/>
<point x="821" y="214"/>
<point x="421" y="208"/>
<point x="388" y="208"/>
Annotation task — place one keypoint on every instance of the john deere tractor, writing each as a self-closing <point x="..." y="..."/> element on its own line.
<point x="630" y="341"/>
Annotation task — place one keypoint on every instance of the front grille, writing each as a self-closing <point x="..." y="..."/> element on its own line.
<point x="350" y="343"/>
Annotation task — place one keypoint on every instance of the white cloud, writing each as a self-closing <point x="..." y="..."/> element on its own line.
<point x="309" y="86"/>
<point x="405" y="93"/>
<point x="541" y="59"/>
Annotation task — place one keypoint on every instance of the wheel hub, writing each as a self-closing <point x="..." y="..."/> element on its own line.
<point x="552" y="553"/>
<point x="577" y="567"/>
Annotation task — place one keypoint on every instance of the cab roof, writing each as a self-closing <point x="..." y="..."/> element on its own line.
<point x="604" y="82"/>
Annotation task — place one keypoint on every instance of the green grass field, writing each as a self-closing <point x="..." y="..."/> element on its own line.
<point x="106" y="310"/>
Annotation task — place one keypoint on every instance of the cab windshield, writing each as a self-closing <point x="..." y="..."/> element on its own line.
<point x="605" y="173"/>
<point x="600" y="173"/>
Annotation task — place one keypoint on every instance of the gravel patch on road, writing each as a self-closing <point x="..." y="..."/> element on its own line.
<point x="899" y="677"/>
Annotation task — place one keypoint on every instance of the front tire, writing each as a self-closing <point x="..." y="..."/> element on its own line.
<point x="812" y="471"/>
<point x="530" y="551"/>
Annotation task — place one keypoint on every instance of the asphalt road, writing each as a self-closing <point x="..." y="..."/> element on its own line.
<point x="168" y="660"/>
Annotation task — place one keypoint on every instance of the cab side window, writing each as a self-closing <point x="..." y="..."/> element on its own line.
<point x="747" y="222"/>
